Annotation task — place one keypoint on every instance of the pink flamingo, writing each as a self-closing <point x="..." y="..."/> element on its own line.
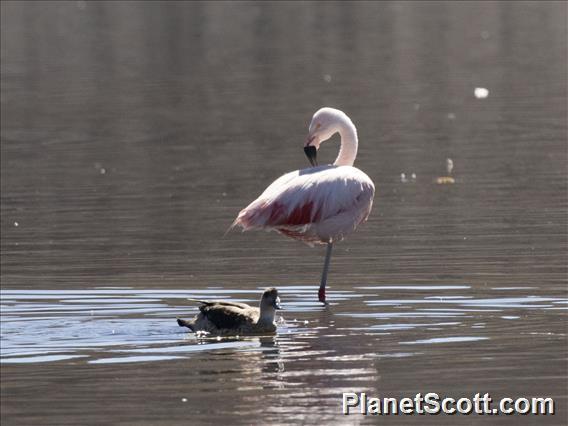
<point x="320" y="204"/>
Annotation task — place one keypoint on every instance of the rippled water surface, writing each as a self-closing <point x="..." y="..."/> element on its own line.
<point x="132" y="134"/>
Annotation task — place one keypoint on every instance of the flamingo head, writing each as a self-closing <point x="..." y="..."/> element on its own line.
<point x="324" y="124"/>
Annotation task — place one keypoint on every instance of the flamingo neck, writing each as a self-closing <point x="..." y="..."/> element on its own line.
<point x="349" y="143"/>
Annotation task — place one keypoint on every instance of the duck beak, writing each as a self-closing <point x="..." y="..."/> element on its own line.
<point x="311" y="153"/>
<point x="276" y="305"/>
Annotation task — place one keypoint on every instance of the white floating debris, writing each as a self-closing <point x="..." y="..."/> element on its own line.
<point x="451" y="116"/>
<point x="327" y="78"/>
<point x="403" y="178"/>
<point x="449" y="165"/>
<point x="443" y="180"/>
<point x="413" y="176"/>
<point x="100" y="168"/>
<point x="416" y="106"/>
<point x="184" y="400"/>
<point x="485" y="35"/>
<point x="481" y="92"/>
<point x="16" y="224"/>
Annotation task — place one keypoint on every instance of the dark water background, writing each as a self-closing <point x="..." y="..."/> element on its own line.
<point x="132" y="134"/>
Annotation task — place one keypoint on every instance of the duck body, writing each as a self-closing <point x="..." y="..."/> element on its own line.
<point x="225" y="318"/>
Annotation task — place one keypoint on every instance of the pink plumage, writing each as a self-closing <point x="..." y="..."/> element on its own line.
<point x="317" y="205"/>
<point x="314" y="205"/>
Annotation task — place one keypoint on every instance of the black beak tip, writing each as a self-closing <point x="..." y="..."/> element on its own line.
<point x="311" y="152"/>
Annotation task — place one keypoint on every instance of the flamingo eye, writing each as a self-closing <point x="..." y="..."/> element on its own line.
<point x="318" y="125"/>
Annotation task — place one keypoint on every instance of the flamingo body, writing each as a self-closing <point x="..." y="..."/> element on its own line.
<point x="315" y="205"/>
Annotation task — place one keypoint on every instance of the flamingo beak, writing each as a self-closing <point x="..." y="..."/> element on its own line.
<point x="311" y="153"/>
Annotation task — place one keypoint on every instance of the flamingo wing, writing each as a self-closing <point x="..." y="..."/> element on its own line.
<point x="309" y="197"/>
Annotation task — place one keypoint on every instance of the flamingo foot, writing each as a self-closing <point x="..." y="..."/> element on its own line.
<point x="321" y="295"/>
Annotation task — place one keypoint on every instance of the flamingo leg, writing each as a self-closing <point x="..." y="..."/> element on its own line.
<point x="321" y="292"/>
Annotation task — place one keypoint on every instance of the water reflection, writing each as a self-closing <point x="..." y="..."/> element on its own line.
<point x="313" y="358"/>
<point x="94" y="325"/>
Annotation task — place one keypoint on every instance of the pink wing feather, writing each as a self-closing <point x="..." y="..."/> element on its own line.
<point x="313" y="204"/>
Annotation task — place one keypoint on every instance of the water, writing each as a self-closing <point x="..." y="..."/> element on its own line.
<point x="132" y="134"/>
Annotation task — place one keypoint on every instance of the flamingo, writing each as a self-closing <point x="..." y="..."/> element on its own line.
<point x="319" y="204"/>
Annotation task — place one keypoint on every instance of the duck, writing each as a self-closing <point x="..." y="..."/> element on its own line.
<point x="219" y="317"/>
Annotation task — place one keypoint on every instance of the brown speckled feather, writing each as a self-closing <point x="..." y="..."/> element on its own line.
<point x="221" y="303"/>
<point x="228" y="316"/>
